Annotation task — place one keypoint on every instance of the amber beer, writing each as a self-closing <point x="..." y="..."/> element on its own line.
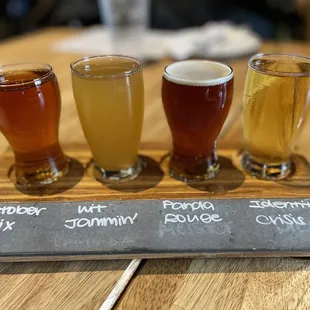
<point x="109" y="96"/>
<point x="276" y="100"/>
<point x="29" y="119"/>
<point x="196" y="95"/>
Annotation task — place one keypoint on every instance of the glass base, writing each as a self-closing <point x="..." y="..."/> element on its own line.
<point x="40" y="177"/>
<point x="119" y="176"/>
<point x="265" y="171"/>
<point x="193" y="170"/>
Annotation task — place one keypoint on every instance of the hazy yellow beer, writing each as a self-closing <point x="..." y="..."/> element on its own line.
<point x="109" y="95"/>
<point x="276" y="99"/>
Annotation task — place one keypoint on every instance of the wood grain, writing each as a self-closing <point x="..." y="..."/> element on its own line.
<point x="74" y="285"/>
<point x="155" y="182"/>
<point x="220" y="284"/>
<point x="160" y="284"/>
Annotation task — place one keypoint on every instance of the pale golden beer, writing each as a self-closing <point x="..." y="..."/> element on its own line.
<point x="275" y="103"/>
<point x="109" y="96"/>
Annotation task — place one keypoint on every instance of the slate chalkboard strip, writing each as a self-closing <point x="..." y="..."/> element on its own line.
<point x="123" y="229"/>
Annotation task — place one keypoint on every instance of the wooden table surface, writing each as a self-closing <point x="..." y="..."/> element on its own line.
<point x="269" y="283"/>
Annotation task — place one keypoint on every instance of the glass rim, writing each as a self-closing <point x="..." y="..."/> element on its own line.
<point x="278" y="73"/>
<point x="29" y="66"/>
<point x="203" y="82"/>
<point x="109" y="76"/>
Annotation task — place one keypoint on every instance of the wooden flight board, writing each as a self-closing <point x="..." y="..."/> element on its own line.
<point x="154" y="215"/>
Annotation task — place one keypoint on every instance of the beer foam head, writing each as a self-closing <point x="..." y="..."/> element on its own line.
<point x="198" y="73"/>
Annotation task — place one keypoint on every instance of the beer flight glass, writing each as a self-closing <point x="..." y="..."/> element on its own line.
<point x="196" y="96"/>
<point x="29" y="119"/>
<point x="275" y="104"/>
<point x="109" y="96"/>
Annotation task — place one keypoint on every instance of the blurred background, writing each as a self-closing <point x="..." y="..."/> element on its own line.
<point x="271" y="19"/>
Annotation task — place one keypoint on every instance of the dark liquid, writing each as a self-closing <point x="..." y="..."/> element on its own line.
<point x="195" y="115"/>
<point x="29" y="119"/>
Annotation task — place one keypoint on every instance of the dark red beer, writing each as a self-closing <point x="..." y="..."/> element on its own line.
<point x="196" y="96"/>
<point x="29" y="119"/>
